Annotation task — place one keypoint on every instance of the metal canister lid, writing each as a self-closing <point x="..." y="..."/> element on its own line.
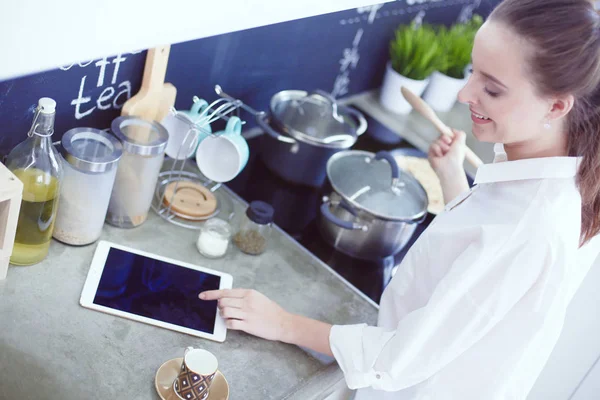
<point x="91" y="150"/>
<point x="140" y="137"/>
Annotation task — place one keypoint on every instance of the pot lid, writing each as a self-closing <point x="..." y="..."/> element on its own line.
<point x="90" y="150"/>
<point x="366" y="183"/>
<point x="313" y="118"/>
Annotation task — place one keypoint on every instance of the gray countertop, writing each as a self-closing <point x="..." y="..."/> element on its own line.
<point x="52" y="348"/>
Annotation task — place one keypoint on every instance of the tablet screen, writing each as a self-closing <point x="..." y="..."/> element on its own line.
<point x="156" y="289"/>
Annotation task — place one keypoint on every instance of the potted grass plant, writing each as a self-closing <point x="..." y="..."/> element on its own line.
<point x="451" y="74"/>
<point x="414" y="53"/>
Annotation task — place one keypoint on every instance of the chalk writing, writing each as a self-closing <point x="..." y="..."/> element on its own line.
<point x="413" y="2"/>
<point x="341" y="84"/>
<point x="113" y="96"/>
<point x="349" y="60"/>
<point x="371" y="10"/>
<point x="466" y="13"/>
<point x="418" y="19"/>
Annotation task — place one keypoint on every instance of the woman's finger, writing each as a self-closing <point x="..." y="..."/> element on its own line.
<point x="236" y="324"/>
<point x="458" y="133"/>
<point x="230" y="312"/>
<point x="446" y="139"/>
<point x="444" y="147"/>
<point x="230" y="302"/>
<point x="219" y="294"/>
<point x="436" y="150"/>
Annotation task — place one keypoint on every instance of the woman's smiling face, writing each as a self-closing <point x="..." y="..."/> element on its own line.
<point x="505" y="107"/>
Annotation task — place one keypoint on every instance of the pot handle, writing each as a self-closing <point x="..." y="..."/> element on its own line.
<point x="327" y="214"/>
<point x="387" y="156"/>
<point x="362" y="122"/>
<point x="260" y="120"/>
<point x="330" y="99"/>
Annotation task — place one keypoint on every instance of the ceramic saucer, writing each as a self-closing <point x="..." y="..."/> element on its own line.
<point x="166" y="374"/>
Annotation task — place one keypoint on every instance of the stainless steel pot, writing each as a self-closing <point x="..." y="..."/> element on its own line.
<point x="303" y="131"/>
<point x="374" y="208"/>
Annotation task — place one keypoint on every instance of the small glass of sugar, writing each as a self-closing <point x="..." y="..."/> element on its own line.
<point x="214" y="238"/>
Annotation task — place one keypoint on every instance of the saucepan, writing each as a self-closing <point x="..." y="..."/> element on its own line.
<point x="302" y="131"/>
<point x="374" y="207"/>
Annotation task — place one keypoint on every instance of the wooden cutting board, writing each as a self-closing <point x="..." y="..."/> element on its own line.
<point x="155" y="98"/>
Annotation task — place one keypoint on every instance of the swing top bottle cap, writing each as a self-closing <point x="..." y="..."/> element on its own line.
<point x="47" y="105"/>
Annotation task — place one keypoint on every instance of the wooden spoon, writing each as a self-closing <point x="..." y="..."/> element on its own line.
<point x="426" y="111"/>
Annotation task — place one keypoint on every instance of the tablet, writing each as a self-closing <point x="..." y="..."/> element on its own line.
<point x="155" y="290"/>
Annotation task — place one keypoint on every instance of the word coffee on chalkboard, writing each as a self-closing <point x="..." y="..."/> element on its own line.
<point x="103" y="73"/>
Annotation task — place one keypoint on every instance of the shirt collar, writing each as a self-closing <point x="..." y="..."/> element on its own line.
<point x="532" y="168"/>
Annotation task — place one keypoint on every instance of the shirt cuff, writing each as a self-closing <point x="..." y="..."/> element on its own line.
<point x="355" y="361"/>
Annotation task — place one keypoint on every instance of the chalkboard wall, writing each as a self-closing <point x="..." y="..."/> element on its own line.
<point x="344" y="53"/>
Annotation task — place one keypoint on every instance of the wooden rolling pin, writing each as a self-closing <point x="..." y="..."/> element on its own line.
<point x="426" y="111"/>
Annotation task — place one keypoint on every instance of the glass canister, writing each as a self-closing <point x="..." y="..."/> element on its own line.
<point x="91" y="158"/>
<point x="37" y="164"/>
<point x="255" y="228"/>
<point x="214" y="238"/>
<point x="144" y="146"/>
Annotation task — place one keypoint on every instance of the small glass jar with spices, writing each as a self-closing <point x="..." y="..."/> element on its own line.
<point x="255" y="228"/>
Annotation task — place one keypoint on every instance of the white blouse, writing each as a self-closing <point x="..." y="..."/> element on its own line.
<point x="478" y="303"/>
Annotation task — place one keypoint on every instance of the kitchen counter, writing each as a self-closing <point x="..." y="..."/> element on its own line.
<point x="52" y="348"/>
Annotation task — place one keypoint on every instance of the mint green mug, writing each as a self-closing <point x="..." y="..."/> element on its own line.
<point x="224" y="154"/>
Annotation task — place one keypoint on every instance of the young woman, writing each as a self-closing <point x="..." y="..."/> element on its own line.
<point x="479" y="301"/>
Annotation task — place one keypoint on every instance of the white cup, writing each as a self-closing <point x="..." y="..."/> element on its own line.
<point x="222" y="156"/>
<point x="186" y="129"/>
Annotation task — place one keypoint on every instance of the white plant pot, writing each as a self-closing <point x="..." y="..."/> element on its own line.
<point x="442" y="91"/>
<point x="391" y="97"/>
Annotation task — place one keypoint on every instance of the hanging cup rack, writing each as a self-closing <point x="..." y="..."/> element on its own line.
<point x="179" y="170"/>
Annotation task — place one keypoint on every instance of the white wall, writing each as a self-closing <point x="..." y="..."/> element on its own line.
<point x="39" y="35"/>
<point x="577" y="349"/>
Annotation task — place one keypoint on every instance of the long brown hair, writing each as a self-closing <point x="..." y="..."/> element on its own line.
<point x="565" y="35"/>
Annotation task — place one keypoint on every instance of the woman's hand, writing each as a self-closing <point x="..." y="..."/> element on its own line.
<point x="250" y="311"/>
<point x="447" y="157"/>
<point x="446" y="154"/>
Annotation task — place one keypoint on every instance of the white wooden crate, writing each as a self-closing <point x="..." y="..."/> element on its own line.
<point x="11" y="191"/>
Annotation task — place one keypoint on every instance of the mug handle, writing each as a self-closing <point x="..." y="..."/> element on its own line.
<point x="187" y="350"/>
<point x="234" y="125"/>
<point x="199" y="106"/>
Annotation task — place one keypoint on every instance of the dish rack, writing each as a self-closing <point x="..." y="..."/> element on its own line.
<point x="175" y="170"/>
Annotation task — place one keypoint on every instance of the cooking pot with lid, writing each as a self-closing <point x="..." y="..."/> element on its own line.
<point x="374" y="207"/>
<point x="303" y="131"/>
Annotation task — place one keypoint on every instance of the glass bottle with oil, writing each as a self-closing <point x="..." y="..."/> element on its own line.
<point x="37" y="164"/>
